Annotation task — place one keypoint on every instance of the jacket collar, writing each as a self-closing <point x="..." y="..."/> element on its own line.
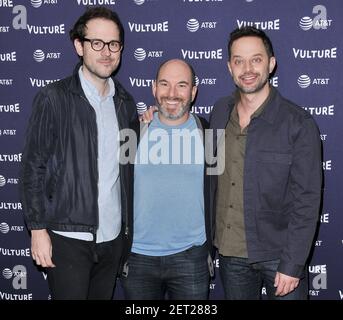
<point x="271" y="108"/>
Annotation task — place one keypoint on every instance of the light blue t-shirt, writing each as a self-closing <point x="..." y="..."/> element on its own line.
<point x="168" y="189"/>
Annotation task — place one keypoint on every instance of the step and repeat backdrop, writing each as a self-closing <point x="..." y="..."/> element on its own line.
<point x="35" y="50"/>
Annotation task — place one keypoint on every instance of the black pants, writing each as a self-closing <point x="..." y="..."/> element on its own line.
<point x="84" y="269"/>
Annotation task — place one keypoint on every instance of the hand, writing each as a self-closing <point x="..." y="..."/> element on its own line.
<point x="285" y="284"/>
<point x="41" y="248"/>
<point x="148" y="115"/>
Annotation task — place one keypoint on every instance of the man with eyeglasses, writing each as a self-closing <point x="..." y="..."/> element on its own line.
<point x="77" y="196"/>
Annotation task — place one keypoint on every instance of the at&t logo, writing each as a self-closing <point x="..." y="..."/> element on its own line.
<point x="141" y="107"/>
<point x="39" y="55"/>
<point x="38" y="3"/>
<point x="19" y="276"/>
<point x="6" y="82"/>
<point x="5" y="228"/>
<point x="4" y="28"/>
<point x="304" y="81"/>
<point x="140" y="54"/>
<point x="205" y="81"/>
<point x="8" y="132"/>
<point x="193" y="25"/>
<point x="2" y="181"/>
<point x="139" y="2"/>
<point x="320" y="21"/>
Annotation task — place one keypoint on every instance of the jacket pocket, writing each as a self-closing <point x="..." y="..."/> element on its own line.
<point x="53" y="181"/>
<point x="273" y="171"/>
<point x="272" y="228"/>
<point x="273" y="157"/>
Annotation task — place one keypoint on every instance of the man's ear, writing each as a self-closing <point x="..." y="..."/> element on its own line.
<point x="229" y="67"/>
<point x="153" y="88"/>
<point x="194" y="92"/>
<point x="78" y="47"/>
<point x="272" y="63"/>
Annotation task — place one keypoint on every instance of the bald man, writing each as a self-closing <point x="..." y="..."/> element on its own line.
<point x="172" y="242"/>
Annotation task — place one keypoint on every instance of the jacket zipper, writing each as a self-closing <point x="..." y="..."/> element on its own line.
<point x="97" y="178"/>
<point x="122" y="185"/>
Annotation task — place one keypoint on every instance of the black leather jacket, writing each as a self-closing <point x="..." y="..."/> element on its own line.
<point x="60" y="169"/>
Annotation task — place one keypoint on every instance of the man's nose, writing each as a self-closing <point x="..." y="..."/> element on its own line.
<point x="172" y="91"/>
<point x="106" y="50"/>
<point x="247" y="66"/>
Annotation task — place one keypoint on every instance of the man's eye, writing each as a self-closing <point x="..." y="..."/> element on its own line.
<point x="257" y="60"/>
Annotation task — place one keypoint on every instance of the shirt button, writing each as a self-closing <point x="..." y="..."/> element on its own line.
<point x="228" y="226"/>
<point x="233" y="184"/>
<point x="230" y="206"/>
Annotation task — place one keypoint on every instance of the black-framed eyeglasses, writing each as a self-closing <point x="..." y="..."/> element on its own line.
<point x="98" y="45"/>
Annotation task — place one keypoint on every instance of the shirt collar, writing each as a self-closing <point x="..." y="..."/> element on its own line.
<point x="265" y="110"/>
<point x="91" y="90"/>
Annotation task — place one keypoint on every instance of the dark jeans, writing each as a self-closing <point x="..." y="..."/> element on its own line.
<point x="183" y="275"/>
<point x="84" y="269"/>
<point x="243" y="281"/>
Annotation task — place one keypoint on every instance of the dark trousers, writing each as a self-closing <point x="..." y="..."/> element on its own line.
<point x="184" y="275"/>
<point x="243" y="281"/>
<point x="84" y="269"/>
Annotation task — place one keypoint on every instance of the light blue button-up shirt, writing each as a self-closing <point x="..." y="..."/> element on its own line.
<point x="108" y="164"/>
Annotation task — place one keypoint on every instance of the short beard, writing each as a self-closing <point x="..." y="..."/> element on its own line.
<point x="95" y="73"/>
<point x="183" y="110"/>
<point x="259" y="87"/>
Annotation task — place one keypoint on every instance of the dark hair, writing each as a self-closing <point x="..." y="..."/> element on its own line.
<point x="79" y="29"/>
<point x="250" y="32"/>
<point x="188" y="65"/>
